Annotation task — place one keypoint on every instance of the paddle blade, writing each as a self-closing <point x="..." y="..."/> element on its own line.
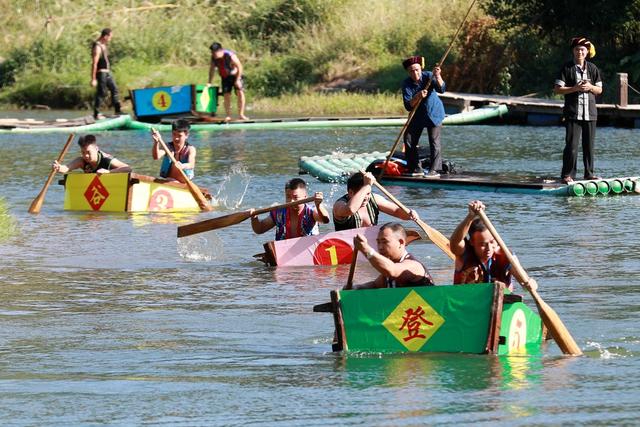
<point x="213" y="223"/>
<point x="439" y="239"/>
<point x="36" y="205"/>
<point x="559" y="332"/>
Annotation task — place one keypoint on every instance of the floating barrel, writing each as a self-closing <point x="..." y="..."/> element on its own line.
<point x="577" y="190"/>
<point x="616" y="185"/>
<point x="603" y="187"/>
<point x="591" y="188"/>
<point x="628" y="185"/>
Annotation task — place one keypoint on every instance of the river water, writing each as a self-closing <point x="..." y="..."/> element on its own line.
<point x="107" y="320"/>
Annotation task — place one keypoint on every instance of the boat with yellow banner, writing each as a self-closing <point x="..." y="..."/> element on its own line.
<point x="127" y="192"/>
<point x="478" y="319"/>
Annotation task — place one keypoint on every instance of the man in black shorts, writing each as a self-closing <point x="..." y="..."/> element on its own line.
<point x="230" y="70"/>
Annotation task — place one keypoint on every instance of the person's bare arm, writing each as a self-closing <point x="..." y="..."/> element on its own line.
<point x="94" y="65"/>
<point x="76" y="163"/>
<point x="320" y="214"/>
<point x="260" y="226"/>
<point x="156" y="151"/>
<point x="237" y="65"/>
<point x="456" y="242"/>
<point x="117" y="167"/>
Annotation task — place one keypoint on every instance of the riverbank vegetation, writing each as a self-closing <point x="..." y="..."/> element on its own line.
<point x="294" y="51"/>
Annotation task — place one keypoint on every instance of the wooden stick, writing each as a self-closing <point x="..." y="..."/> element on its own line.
<point x="352" y="268"/>
<point x="434" y="235"/>
<point x="231" y="219"/>
<point x="193" y="189"/>
<point x="36" y="205"/>
<point x="415" y="108"/>
<point x="550" y="318"/>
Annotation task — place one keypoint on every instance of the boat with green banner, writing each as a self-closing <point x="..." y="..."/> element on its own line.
<point x="476" y="319"/>
<point x="339" y="167"/>
<point x="213" y="124"/>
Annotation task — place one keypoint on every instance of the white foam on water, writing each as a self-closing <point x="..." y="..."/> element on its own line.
<point x="233" y="188"/>
<point x="201" y="247"/>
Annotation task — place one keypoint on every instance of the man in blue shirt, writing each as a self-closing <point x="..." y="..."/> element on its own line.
<point x="429" y="113"/>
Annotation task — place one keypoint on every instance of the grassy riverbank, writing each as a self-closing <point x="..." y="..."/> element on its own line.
<point x="291" y="49"/>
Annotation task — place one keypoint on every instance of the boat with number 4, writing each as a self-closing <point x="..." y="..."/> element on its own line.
<point x="478" y="319"/>
<point x="127" y="192"/>
<point x="324" y="249"/>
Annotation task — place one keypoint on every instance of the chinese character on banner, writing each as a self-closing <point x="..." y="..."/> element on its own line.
<point x="96" y="194"/>
<point x="413" y="320"/>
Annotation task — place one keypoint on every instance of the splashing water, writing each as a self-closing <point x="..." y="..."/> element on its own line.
<point x="201" y="247"/>
<point x="233" y="187"/>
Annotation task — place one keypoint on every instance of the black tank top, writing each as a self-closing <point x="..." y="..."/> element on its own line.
<point x="354" y="221"/>
<point x="425" y="280"/>
<point x="103" y="61"/>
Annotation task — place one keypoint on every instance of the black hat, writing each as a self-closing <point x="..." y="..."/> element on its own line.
<point x="215" y="46"/>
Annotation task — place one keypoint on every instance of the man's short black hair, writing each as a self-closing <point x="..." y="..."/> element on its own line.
<point x="355" y="181"/>
<point x="294" y="183"/>
<point x="477" y="225"/>
<point x="105" y="32"/>
<point x="215" y="46"/>
<point x="87" y="140"/>
<point x="181" y="125"/>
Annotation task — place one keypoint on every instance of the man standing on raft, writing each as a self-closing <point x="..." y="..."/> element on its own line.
<point x="429" y="114"/>
<point x="580" y="82"/>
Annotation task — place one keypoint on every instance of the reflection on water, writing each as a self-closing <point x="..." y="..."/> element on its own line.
<point x="110" y="319"/>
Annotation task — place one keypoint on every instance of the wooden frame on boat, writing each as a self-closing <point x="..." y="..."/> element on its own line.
<point x="478" y="318"/>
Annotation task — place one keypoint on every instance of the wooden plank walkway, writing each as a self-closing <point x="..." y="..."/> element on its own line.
<point x="530" y="110"/>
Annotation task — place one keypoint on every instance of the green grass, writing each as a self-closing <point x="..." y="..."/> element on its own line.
<point x="288" y="48"/>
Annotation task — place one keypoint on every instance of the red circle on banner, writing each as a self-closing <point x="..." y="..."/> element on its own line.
<point x="160" y="200"/>
<point x="333" y="252"/>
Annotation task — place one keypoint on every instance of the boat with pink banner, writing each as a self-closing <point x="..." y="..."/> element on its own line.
<point x="324" y="249"/>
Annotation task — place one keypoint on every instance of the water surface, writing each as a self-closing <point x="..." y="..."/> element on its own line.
<point x="105" y="321"/>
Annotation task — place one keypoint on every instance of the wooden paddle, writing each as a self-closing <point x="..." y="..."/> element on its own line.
<point x="415" y="107"/>
<point x="231" y="219"/>
<point x="193" y="189"/>
<point x="550" y="318"/>
<point x="36" y="205"/>
<point x="352" y="268"/>
<point x="434" y="235"/>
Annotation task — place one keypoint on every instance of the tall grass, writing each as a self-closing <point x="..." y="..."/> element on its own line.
<point x="288" y="47"/>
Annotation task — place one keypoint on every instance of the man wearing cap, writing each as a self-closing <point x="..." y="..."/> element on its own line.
<point x="429" y="114"/>
<point x="230" y="70"/>
<point x="183" y="152"/>
<point x="580" y="82"/>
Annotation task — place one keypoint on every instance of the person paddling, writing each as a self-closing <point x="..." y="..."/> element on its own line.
<point x="295" y="221"/>
<point x="361" y="208"/>
<point x="184" y="153"/>
<point x="479" y="259"/>
<point x="92" y="159"/>
<point x="397" y="267"/>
